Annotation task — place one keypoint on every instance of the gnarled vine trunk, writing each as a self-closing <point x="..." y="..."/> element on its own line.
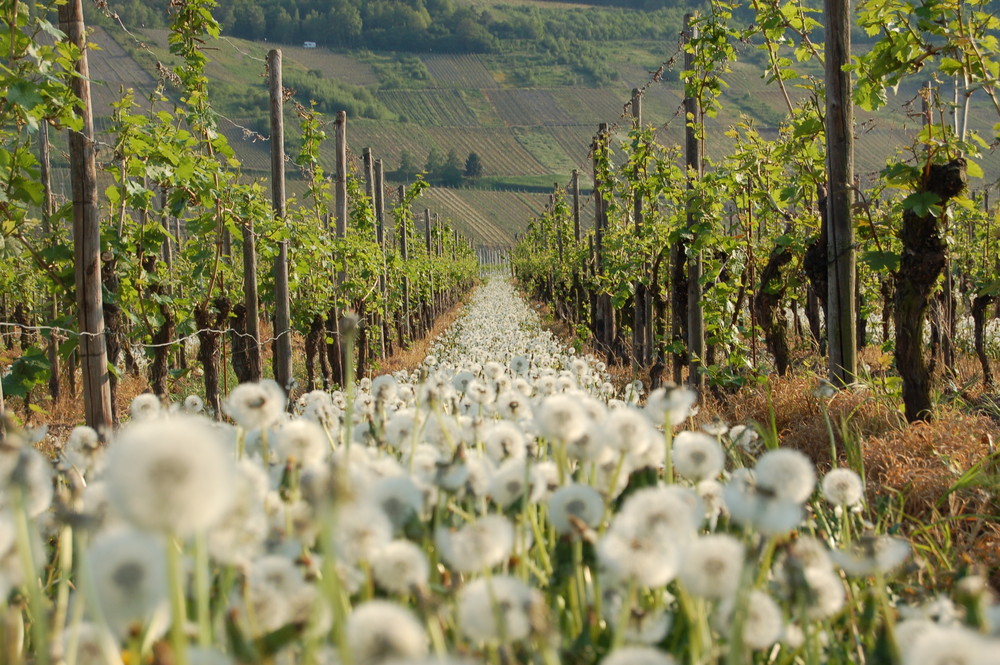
<point x="767" y="305"/>
<point x="920" y="266"/>
<point x="209" y="323"/>
<point x="979" y="307"/>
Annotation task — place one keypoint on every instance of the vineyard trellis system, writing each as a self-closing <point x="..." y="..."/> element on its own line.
<point x="158" y="258"/>
<point x="691" y="260"/>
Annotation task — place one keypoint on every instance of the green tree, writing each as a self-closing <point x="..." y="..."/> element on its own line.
<point x="434" y="163"/>
<point x="408" y="167"/>
<point x="473" y="166"/>
<point x="451" y="170"/>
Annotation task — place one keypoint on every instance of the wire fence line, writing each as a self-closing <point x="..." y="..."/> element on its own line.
<point x="66" y="333"/>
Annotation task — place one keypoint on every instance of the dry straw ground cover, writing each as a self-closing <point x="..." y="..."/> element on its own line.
<point x="501" y="503"/>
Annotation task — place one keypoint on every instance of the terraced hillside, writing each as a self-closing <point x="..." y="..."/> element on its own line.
<point x="524" y="137"/>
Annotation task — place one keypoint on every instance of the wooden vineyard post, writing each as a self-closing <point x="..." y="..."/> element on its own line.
<point x="426" y="309"/>
<point x="405" y="330"/>
<point x="605" y="320"/>
<point x="282" y="361"/>
<point x="640" y="301"/>
<point x="439" y="294"/>
<point x="577" y="286"/>
<point x="693" y="158"/>
<point x="842" y="331"/>
<point x="87" y="235"/>
<point x="385" y="343"/>
<point x="365" y="317"/>
<point x="335" y="349"/>
<point x="48" y="207"/>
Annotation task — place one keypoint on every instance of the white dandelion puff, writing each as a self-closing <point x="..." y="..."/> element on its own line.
<point x="485" y="543"/>
<point x="670" y="406"/>
<point x="362" y="529"/>
<point x="843" y="488"/>
<point x="504" y="440"/>
<point x="637" y="656"/>
<point x="194" y="404"/>
<point x="254" y="405"/>
<point x="869" y="555"/>
<point x="786" y="474"/>
<point x="560" y="418"/>
<point x="301" y="441"/>
<point x="399" y="497"/>
<point x="400" y="567"/>
<point x="380" y="631"/>
<point x="145" y="406"/>
<point x="762" y="621"/>
<point x="170" y="475"/>
<point x="697" y="456"/>
<point x="129" y="575"/>
<point x="575" y="502"/>
<point x="499" y="608"/>
<point x="712" y="565"/>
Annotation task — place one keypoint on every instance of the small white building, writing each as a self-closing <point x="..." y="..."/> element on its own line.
<point x="308" y="44"/>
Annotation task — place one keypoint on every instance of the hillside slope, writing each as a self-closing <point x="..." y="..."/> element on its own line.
<point x="526" y="138"/>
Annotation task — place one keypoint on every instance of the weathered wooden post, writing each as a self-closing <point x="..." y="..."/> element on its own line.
<point x="693" y="133"/>
<point x="430" y="275"/>
<point x="843" y="363"/>
<point x="640" y="300"/>
<point x="402" y="231"/>
<point x="385" y="344"/>
<point x="48" y="207"/>
<point x="336" y="351"/>
<point x="87" y="235"/>
<point x="282" y="361"/>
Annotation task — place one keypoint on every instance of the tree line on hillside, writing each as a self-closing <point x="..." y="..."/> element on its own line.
<point x="442" y="26"/>
<point x="448" y="170"/>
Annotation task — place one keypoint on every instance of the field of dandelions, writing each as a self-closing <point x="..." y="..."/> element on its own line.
<point x="502" y="504"/>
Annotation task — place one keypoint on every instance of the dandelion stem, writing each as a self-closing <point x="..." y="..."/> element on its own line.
<point x="578" y="580"/>
<point x="624" y="614"/>
<point x="178" y="611"/>
<point x="668" y="458"/>
<point x="540" y="543"/>
<point x="62" y="591"/>
<point x="202" y="590"/>
<point x="888" y="614"/>
<point x="37" y="604"/>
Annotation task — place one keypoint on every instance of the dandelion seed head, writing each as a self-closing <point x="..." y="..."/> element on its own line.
<point x="194" y="404"/>
<point x="843" y="487"/>
<point x="379" y="631"/>
<point x="712" y="565"/>
<point x="498" y="607"/>
<point x="399" y="498"/>
<point x="129" y="576"/>
<point x="872" y="554"/>
<point x="504" y="440"/>
<point x="560" y="418"/>
<point x="254" y="405"/>
<point x="641" y="655"/>
<point x="671" y="405"/>
<point x="400" y="567"/>
<point x="647" y="560"/>
<point x="578" y="501"/>
<point x="170" y="475"/>
<point x="697" y="456"/>
<point x="363" y="528"/>
<point x="482" y="544"/>
<point x="762" y="623"/>
<point x="302" y="441"/>
<point x="145" y="406"/>
<point x="786" y="473"/>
